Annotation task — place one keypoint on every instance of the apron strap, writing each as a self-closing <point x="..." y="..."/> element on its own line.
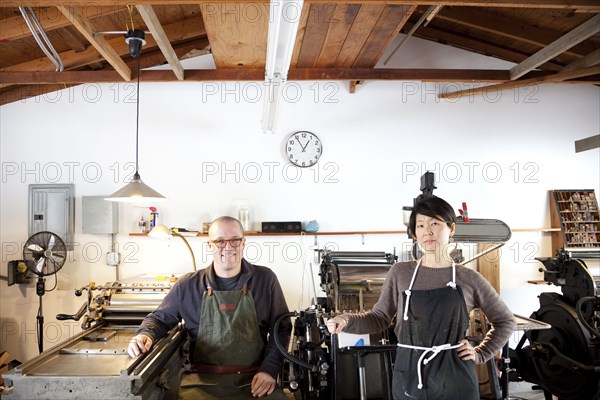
<point x="408" y="292"/>
<point x="452" y="283"/>
<point x="245" y="289"/>
<point x="422" y="360"/>
<point x="209" y="290"/>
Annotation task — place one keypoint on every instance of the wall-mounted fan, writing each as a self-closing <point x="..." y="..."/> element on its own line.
<point x="44" y="253"/>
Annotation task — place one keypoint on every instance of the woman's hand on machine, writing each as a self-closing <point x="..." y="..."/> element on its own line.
<point x="139" y="344"/>
<point x="336" y="324"/>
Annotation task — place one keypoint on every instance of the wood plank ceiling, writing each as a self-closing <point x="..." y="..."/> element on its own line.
<point x="548" y="40"/>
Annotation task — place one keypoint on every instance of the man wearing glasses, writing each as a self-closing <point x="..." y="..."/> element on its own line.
<point x="230" y="309"/>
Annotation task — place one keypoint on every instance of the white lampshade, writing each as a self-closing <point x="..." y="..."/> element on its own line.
<point x="136" y="191"/>
<point x="160" y="231"/>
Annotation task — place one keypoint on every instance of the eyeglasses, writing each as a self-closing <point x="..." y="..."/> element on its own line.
<point x="235" y="242"/>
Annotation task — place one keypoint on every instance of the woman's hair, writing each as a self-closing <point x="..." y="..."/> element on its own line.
<point x="434" y="207"/>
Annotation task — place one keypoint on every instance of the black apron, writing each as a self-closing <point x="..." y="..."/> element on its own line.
<point x="436" y="317"/>
<point x="228" y="349"/>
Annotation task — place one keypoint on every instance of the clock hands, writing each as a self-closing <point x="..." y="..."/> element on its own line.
<point x="304" y="147"/>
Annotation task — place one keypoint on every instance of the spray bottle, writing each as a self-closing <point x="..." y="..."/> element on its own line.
<point x="153" y="217"/>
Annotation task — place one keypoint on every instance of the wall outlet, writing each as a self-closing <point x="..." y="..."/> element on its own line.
<point x="113" y="258"/>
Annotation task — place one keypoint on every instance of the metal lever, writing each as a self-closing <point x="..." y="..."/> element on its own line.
<point x="74" y="317"/>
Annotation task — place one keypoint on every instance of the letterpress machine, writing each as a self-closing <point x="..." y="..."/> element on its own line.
<point x="94" y="364"/>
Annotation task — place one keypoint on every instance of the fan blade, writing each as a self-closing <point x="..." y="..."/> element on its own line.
<point x="57" y="258"/>
<point x="35" y="247"/>
<point x="51" y="242"/>
<point x="40" y="264"/>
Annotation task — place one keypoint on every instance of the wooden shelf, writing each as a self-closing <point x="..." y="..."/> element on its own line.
<point x="578" y="225"/>
<point x="303" y="233"/>
<point x="254" y="233"/>
<point x="543" y="230"/>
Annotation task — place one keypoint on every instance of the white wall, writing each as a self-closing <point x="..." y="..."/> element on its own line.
<point x="201" y="145"/>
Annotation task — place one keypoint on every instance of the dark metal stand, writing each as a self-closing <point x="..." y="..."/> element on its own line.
<point x="505" y="377"/>
<point x="360" y="352"/>
<point x="523" y="324"/>
<point x="40" y="289"/>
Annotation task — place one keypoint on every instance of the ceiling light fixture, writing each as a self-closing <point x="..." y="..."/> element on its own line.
<point x="136" y="190"/>
<point x="283" y="28"/>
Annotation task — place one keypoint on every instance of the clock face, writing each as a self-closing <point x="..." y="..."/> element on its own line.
<point x="303" y="148"/>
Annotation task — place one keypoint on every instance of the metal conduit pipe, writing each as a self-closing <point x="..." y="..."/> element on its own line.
<point x="33" y="23"/>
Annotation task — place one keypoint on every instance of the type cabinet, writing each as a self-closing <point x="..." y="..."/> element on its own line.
<point x="575" y="212"/>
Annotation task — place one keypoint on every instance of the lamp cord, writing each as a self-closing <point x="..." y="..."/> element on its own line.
<point x="137" y="122"/>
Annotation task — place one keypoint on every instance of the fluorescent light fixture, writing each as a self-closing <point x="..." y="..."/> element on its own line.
<point x="283" y="27"/>
<point x="272" y="93"/>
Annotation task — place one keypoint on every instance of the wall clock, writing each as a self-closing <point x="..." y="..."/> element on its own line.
<point x="303" y="148"/>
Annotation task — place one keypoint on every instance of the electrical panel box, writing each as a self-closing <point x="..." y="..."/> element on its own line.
<point x="52" y="208"/>
<point x="99" y="215"/>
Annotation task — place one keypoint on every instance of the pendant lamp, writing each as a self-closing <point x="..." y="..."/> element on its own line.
<point x="136" y="190"/>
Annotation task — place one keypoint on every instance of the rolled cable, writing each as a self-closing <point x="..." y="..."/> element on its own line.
<point x="283" y="351"/>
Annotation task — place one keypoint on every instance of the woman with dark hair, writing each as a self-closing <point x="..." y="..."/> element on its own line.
<point x="431" y="299"/>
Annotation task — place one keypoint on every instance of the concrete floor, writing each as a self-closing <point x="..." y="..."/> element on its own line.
<point x="516" y="390"/>
<point x="524" y="390"/>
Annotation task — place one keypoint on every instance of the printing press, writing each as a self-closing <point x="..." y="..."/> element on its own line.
<point x="564" y="360"/>
<point x="316" y="367"/>
<point x="95" y="364"/>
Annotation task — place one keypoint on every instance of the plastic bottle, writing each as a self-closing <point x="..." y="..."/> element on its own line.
<point x="244" y="217"/>
<point x="142" y="225"/>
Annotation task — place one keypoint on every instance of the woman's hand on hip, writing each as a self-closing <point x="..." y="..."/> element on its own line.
<point x="466" y="351"/>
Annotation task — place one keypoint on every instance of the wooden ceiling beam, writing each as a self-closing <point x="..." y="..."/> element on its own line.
<point x="17" y="93"/>
<point x="552" y="78"/>
<point x="383" y="35"/>
<point x="588" y="61"/>
<point x="178" y="31"/>
<point x="501" y="25"/>
<point x="329" y="74"/>
<point x="76" y="17"/>
<point x="577" y="35"/>
<point x="475" y="45"/>
<point x="235" y="74"/>
<point x="76" y="43"/>
<point x="20" y="92"/>
<point x="148" y="59"/>
<point x="236" y="41"/>
<point x="72" y="40"/>
<point x="583" y="5"/>
<point x="14" y="28"/>
<point x="153" y="24"/>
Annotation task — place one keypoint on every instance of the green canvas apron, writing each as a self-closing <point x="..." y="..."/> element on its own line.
<point x="228" y="349"/>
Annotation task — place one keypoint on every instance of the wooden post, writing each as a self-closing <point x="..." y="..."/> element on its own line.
<point x="488" y="265"/>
